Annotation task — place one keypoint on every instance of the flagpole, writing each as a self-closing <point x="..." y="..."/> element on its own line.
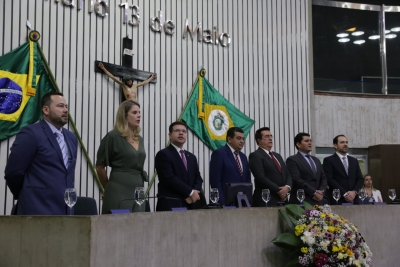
<point x="151" y="182"/>
<point x="72" y="123"/>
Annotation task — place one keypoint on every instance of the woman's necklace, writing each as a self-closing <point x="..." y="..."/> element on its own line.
<point x="131" y="141"/>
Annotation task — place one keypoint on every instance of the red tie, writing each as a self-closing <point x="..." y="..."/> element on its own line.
<point x="276" y="162"/>
<point x="238" y="162"/>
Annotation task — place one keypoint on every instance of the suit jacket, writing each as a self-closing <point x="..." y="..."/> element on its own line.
<point x="224" y="169"/>
<point x="35" y="171"/>
<point x="338" y="179"/>
<point x="175" y="182"/>
<point x="305" y="178"/>
<point x="267" y="176"/>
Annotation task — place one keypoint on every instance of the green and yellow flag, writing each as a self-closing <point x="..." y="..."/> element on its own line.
<point x="209" y="115"/>
<point x="23" y="81"/>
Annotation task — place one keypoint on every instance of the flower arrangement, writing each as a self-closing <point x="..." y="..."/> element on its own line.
<point x="318" y="237"/>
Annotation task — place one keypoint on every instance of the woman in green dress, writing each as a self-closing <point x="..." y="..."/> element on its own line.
<point x="123" y="150"/>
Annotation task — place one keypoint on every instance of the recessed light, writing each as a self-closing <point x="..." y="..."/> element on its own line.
<point x="344" y="40"/>
<point x="341" y="35"/>
<point x="397" y="29"/>
<point x="357" y="33"/>
<point x="391" y="36"/>
<point x="359" y="42"/>
<point x="374" y="37"/>
<point x="387" y="31"/>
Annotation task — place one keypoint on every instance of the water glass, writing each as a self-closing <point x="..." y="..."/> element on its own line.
<point x="392" y="194"/>
<point x="362" y="194"/>
<point x="300" y="195"/>
<point x="140" y="196"/>
<point x="336" y="195"/>
<point x="214" y="195"/>
<point x="70" y="197"/>
<point x="266" y="196"/>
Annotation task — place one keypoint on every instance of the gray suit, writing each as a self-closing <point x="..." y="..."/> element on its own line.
<point x="305" y="178"/>
<point x="267" y="176"/>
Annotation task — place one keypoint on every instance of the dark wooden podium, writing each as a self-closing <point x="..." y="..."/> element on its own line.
<point x="384" y="167"/>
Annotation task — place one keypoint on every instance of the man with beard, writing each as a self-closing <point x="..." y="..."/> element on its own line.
<point x="128" y="87"/>
<point x="343" y="172"/>
<point x="42" y="161"/>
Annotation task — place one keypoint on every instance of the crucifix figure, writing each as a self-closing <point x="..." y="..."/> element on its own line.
<point x="129" y="88"/>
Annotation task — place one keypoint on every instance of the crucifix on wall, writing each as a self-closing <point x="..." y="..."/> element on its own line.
<point x="127" y="73"/>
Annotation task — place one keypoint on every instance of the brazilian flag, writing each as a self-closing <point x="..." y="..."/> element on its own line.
<point x="209" y="115"/>
<point x="24" y="79"/>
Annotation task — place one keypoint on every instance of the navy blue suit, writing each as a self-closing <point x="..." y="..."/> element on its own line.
<point x="339" y="179"/>
<point x="35" y="171"/>
<point x="175" y="182"/>
<point x="224" y="169"/>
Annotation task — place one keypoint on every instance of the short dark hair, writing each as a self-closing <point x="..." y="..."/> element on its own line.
<point x="258" y="134"/>
<point x="231" y="132"/>
<point x="298" y="138"/>
<point x="336" y="139"/>
<point x="46" y="99"/>
<point x="171" y="127"/>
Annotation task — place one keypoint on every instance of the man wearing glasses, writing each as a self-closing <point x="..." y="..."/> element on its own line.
<point x="269" y="171"/>
<point x="179" y="177"/>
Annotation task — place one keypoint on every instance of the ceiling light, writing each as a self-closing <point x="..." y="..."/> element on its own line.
<point x="344" y="40"/>
<point x="351" y="29"/>
<point x="387" y="31"/>
<point x="357" y="33"/>
<point x="374" y="37"/>
<point x="391" y="36"/>
<point x="397" y="29"/>
<point x="359" y="42"/>
<point x="341" y="35"/>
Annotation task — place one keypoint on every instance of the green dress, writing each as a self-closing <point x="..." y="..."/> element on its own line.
<point x="126" y="171"/>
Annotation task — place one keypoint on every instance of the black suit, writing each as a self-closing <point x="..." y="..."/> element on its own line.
<point x="338" y="179"/>
<point x="305" y="178"/>
<point x="174" y="180"/>
<point x="267" y="176"/>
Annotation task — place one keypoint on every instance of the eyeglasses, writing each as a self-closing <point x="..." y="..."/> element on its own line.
<point x="268" y="136"/>
<point x="179" y="131"/>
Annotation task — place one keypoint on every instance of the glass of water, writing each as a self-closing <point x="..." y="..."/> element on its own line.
<point x="140" y="196"/>
<point x="214" y="195"/>
<point x="362" y="194"/>
<point x="336" y="195"/>
<point x="266" y="196"/>
<point x="70" y="198"/>
<point x="300" y="195"/>
<point x="392" y="194"/>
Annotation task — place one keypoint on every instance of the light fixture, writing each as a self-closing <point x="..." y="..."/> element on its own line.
<point x="357" y="33"/>
<point x="351" y="29"/>
<point x="341" y="35"/>
<point x="387" y="31"/>
<point x="391" y="36"/>
<point x="374" y="37"/>
<point x="344" y="40"/>
<point x="359" y="42"/>
<point x="396" y="29"/>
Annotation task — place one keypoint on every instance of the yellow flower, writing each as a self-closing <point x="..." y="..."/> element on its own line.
<point x="331" y="229"/>
<point x="304" y="249"/>
<point x="335" y="249"/>
<point x="349" y="252"/>
<point x="340" y="256"/>
<point x="322" y="215"/>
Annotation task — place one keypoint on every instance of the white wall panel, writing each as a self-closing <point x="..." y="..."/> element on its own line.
<point x="264" y="71"/>
<point x="365" y="121"/>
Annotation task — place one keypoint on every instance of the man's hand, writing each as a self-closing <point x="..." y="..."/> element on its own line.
<point x="195" y="196"/>
<point x="349" y="196"/>
<point x="283" y="192"/>
<point x="101" y="66"/>
<point x="188" y="200"/>
<point x="319" y="195"/>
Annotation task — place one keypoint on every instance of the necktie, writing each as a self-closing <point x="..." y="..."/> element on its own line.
<point x="276" y="162"/>
<point x="238" y="162"/>
<point x="346" y="167"/>
<point x="63" y="147"/>
<point x="183" y="158"/>
<point x="311" y="163"/>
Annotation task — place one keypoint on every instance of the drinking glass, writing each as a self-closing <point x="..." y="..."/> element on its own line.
<point x="70" y="198"/>
<point x="392" y="194"/>
<point x="266" y="196"/>
<point x="214" y="195"/>
<point x="336" y="195"/>
<point x="300" y="195"/>
<point x="139" y="196"/>
<point x="362" y="194"/>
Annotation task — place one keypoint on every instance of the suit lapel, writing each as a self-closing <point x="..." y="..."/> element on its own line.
<point x="307" y="164"/>
<point x="177" y="158"/>
<point x="232" y="159"/>
<point x="53" y="140"/>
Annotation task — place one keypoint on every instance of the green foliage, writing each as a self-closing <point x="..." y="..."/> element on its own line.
<point x="288" y="241"/>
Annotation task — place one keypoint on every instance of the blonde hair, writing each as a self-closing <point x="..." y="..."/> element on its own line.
<point x="121" y="124"/>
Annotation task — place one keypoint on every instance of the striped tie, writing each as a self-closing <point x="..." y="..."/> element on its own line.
<point x="238" y="162"/>
<point x="63" y="147"/>
<point x="346" y="167"/>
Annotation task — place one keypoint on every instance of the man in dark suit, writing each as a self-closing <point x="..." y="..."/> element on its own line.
<point x="179" y="177"/>
<point x="228" y="164"/>
<point x="307" y="172"/>
<point x="42" y="161"/>
<point x="269" y="171"/>
<point x="343" y="172"/>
